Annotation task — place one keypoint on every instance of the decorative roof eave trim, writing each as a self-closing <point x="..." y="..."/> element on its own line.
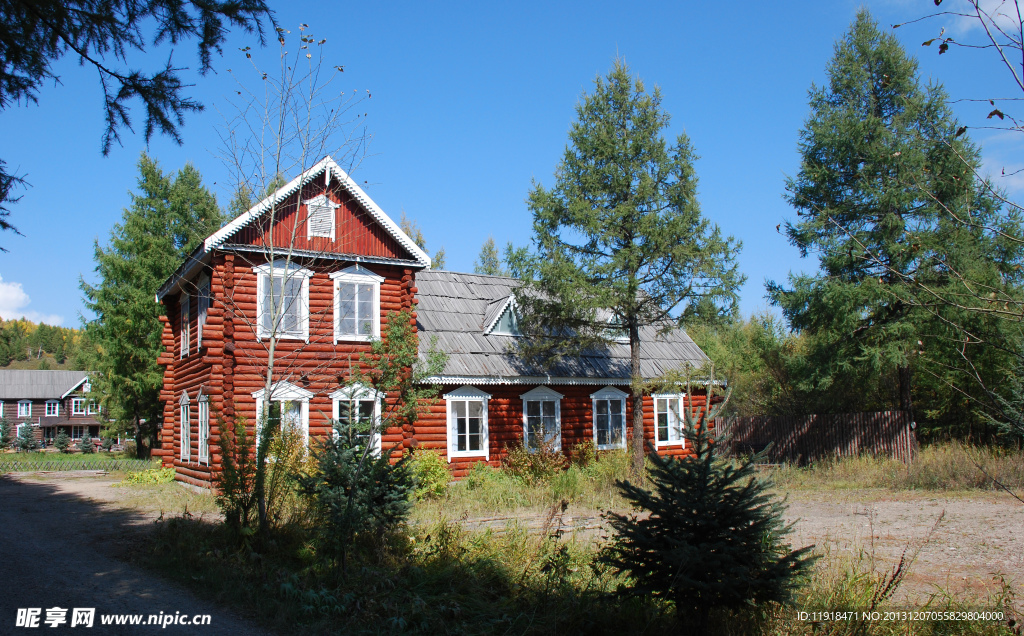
<point x="330" y="256"/>
<point x="537" y="379"/>
<point x="76" y="385"/>
<point x="196" y="260"/>
<point x="328" y="165"/>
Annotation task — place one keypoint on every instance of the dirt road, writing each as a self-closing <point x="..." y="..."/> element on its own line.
<point x="62" y="548"/>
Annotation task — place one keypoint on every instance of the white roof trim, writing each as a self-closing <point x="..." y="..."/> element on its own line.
<point x="285" y="266"/>
<point x="542" y="393"/>
<point x="328" y="166"/>
<point x="609" y="393"/>
<point x="356" y="271"/>
<point x="77" y="384"/>
<point x="538" y="379"/>
<point x="184" y="398"/>
<point x="284" y="390"/>
<point x="470" y="392"/>
<point x="511" y="301"/>
<point x="355" y="392"/>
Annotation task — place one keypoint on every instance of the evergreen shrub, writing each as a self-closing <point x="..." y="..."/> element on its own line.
<point x="62" y="441"/>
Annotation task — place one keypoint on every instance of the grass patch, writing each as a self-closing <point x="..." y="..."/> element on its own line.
<point x="167" y="499"/>
<point x="946" y="466"/>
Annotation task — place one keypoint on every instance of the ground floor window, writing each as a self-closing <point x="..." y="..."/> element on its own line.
<point x="204" y="430"/>
<point x="668" y="419"/>
<point x="609" y="412"/>
<point x="542" y="419"/>
<point x="467" y="423"/>
<point x="185" y="414"/>
<point x="78" y="431"/>
<point x="288" y="407"/>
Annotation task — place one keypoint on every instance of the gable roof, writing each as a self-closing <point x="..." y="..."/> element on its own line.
<point x="327" y="168"/>
<point x="39" y="385"/>
<point x="457" y="309"/>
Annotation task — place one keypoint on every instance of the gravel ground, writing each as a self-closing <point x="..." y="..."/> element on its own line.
<point x="66" y="546"/>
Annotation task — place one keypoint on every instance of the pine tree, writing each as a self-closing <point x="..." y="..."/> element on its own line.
<point x="881" y="179"/>
<point x="489" y="262"/>
<point x="712" y="538"/>
<point x="62" y="441"/>
<point x="167" y="219"/>
<point x="620" y="242"/>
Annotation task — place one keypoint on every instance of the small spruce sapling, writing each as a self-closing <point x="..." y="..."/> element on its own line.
<point x="62" y="441"/>
<point x="86" y="444"/>
<point x="6" y="433"/>
<point x="26" y="438"/>
<point x="713" y="538"/>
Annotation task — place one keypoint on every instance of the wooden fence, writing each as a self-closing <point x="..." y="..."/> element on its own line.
<point x="803" y="439"/>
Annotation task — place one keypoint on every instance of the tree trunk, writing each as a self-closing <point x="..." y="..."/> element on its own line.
<point x="141" y="448"/>
<point x="637" y="398"/>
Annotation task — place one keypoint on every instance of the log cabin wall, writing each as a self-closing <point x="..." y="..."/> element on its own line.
<point x="505" y="422"/>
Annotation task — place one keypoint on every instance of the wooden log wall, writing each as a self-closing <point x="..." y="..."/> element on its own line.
<point x="802" y="440"/>
<point x="232" y="363"/>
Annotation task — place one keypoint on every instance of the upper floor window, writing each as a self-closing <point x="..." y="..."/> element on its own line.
<point x="609" y="418"/>
<point x="78" y="406"/>
<point x="542" y="419"/>
<point x="356" y="304"/>
<point x="204" y="309"/>
<point x="94" y="407"/>
<point x="359" y="407"/>
<point x="320" y="217"/>
<point x="282" y="296"/>
<point x="25" y="408"/>
<point x="668" y="419"/>
<point x="52" y="408"/>
<point x="467" y="423"/>
<point x="186" y="336"/>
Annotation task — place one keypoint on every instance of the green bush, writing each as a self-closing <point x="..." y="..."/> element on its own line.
<point x="62" y="441"/>
<point x="151" y="476"/>
<point x="584" y="453"/>
<point x="430" y="471"/>
<point x="86" y="444"/>
<point x="6" y="433"/>
<point x="106" y="444"/>
<point x="537" y="465"/>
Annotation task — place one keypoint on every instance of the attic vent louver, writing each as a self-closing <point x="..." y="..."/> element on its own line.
<point x="321" y="217"/>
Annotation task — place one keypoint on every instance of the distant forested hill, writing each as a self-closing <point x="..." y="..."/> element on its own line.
<point x="27" y="345"/>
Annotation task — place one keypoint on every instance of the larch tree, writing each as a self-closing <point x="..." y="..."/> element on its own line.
<point x="167" y="219"/>
<point x="882" y="166"/>
<point x="619" y="240"/>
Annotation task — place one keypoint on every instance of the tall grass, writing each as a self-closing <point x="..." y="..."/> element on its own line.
<point x="945" y="466"/>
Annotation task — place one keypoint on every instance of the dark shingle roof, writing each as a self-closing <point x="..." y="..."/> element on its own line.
<point x="456" y="308"/>
<point x="38" y="385"/>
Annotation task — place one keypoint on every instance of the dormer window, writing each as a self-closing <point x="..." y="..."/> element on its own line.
<point x="320" y="217"/>
<point x="505" y="322"/>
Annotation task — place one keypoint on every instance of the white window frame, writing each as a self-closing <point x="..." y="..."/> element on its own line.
<point x="357" y="275"/>
<point x="542" y="394"/>
<point x="92" y="407"/>
<point x="1" y="409"/>
<point x="204" y="309"/>
<point x="204" y="429"/>
<point x="186" y="334"/>
<point x="185" y="423"/>
<point x="25" y="408"/>
<point x="321" y="202"/>
<point x="77" y="430"/>
<point x="283" y="392"/>
<point x="609" y="393"/>
<point x="285" y="270"/>
<point x="56" y="408"/>
<point x="676" y="421"/>
<point x="467" y="394"/>
<point x="78" y="406"/>
<point x="361" y="393"/>
<point x="509" y="307"/>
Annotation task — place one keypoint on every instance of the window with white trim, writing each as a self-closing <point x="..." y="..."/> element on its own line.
<point x="78" y="406"/>
<point x="356" y="304"/>
<point x="542" y="419"/>
<point x="52" y="408"/>
<point x="204" y="429"/>
<point x="77" y="431"/>
<point x="289" y="406"/>
<point x="282" y="298"/>
<point x="185" y="420"/>
<point x="609" y="413"/>
<point x="668" y="419"/>
<point x="467" y="423"/>
<point x="94" y="407"/>
<point x="204" y="310"/>
<point x="186" y="336"/>
<point x="320" y="217"/>
<point x="507" y="322"/>
<point x="359" y="406"/>
<point x="25" y="408"/>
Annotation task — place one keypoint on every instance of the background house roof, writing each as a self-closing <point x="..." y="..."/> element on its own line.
<point x="38" y="385"/>
<point x="456" y="308"/>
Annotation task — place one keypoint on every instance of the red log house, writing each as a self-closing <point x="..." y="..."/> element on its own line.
<point x="322" y="265"/>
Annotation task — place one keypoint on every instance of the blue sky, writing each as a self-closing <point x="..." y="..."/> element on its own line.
<point x="470" y="102"/>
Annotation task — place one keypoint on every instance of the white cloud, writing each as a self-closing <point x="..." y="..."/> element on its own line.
<point x="13" y="301"/>
<point x="999" y="14"/>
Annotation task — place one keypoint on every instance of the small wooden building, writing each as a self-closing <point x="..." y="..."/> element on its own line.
<point x="320" y="264"/>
